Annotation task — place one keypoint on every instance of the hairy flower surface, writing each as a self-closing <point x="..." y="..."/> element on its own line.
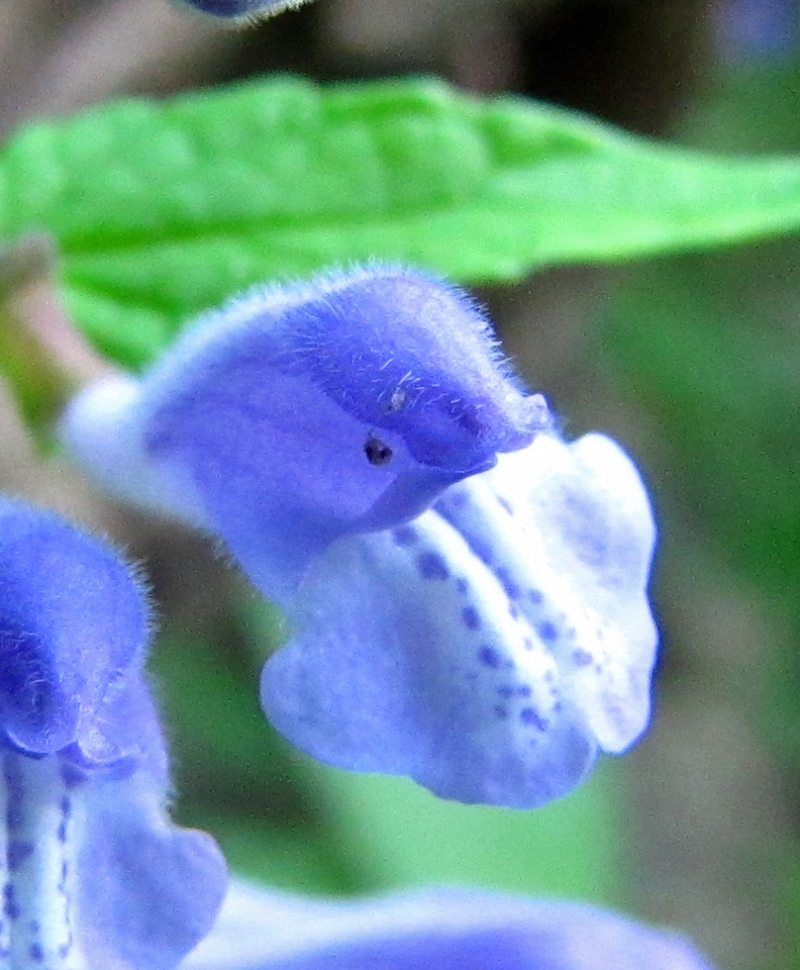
<point x="297" y="415"/>
<point x="431" y="930"/>
<point x="94" y="874"/>
<point x="467" y="593"/>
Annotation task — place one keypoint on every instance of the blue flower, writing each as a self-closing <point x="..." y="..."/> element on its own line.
<point x="94" y="874"/>
<point x="441" y="929"/>
<point x="241" y="10"/>
<point x="467" y="593"/>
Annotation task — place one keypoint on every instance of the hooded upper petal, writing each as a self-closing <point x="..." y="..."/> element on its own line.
<point x="95" y="874"/>
<point x="444" y="929"/>
<point x="73" y="626"/>
<point x="297" y="415"/>
<point x="490" y="648"/>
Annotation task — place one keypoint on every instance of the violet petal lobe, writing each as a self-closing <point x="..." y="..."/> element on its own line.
<point x="296" y="415"/>
<point x="490" y="648"/>
<point x="145" y="890"/>
<point x="445" y="929"/>
<point x="72" y="625"/>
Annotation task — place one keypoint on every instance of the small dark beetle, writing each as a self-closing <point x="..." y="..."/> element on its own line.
<point x="376" y="451"/>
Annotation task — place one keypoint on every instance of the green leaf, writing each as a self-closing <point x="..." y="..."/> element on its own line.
<point x="574" y="847"/>
<point x="164" y="209"/>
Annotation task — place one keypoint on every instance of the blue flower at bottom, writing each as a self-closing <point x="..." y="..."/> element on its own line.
<point x="442" y="929"/>
<point x="95" y="875"/>
<point x="490" y="648"/>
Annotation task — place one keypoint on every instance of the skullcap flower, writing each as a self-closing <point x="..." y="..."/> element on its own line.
<point x="466" y="593"/>
<point x="95" y="874"/>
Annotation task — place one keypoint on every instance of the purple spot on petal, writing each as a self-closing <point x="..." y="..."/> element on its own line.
<point x="489" y="656"/>
<point x="18" y="852"/>
<point x="472" y="620"/>
<point x="535" y="596"/>
<point x="527" y="643"/>
<point x="500" y="712"/>
<point x="523" y="691"/>
<point x="66" y="809"/>
<point x="581" y="658"/>
<point x="432" y="566"/>
<point x="512" y="590"/>
<point x="505" y="504"/>
<point x="482" y="550"/>
<point x="15" y="792"/>
<point x="36" y="953"/>
<point x="405" y="535"/>
<point x="513" y="612"/>
<point x="462" y="585"/>
<point x="505" y="691"/>
<point x="529" y="716"/>
<point x="10" y="906"/>
<point x="547" y="631"/>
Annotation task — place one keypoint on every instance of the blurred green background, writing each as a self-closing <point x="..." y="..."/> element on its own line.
<point x="692" y="362"/>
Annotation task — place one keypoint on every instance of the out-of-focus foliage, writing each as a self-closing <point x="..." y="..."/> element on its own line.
<point x="164" y="210"/>
<point x="706" y="350"/>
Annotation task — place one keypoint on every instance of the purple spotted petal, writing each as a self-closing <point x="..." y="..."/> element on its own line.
<point x="443" y="929"/>
<point x="295" y="416"/>
<point x="94" y="873"/>
<point x="490" y="648"/>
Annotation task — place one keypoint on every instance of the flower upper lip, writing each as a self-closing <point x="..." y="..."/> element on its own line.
<point x="257" y="424"/>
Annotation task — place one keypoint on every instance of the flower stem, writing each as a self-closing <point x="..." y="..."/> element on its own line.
<point x="43" y="356"/>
